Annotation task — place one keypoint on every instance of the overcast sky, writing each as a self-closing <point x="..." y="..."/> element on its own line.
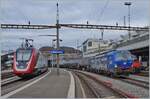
<point x="106" y="12"/>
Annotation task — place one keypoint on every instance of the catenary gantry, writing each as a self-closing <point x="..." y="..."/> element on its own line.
<point x="79" y="26"/>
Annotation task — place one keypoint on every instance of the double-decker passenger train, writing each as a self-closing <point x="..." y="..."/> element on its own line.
<point x="29" y="62"/>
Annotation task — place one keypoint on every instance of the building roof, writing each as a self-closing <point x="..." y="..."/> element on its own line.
<point x="91" y="39"/>
<point x="94" y="40"/>
<point x="66" y="49"/>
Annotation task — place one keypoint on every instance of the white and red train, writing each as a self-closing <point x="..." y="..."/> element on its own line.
<point x="29" y="62"/>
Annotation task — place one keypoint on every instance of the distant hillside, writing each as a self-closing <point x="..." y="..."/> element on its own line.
<point x="66" y="49"/>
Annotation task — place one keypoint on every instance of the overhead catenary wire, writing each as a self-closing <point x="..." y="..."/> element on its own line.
<point x="103" y="10"/>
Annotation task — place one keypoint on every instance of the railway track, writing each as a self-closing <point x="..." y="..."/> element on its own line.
<point x="93" y="92"/>
<point x="101" y="89"/>
<point x="10" y="80"/>
<point x="7" y="75"/>
<point x="12" y="85"/>
<point x="136" y="82"/>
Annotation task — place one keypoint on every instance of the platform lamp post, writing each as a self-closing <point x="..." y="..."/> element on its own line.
<point x="128" y="4"/>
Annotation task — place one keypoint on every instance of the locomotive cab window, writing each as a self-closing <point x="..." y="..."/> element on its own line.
<point x="23" y="55"/>
<point x="124" y="55"/>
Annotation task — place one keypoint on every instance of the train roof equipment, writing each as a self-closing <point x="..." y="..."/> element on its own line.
<point x="27" y="43"/>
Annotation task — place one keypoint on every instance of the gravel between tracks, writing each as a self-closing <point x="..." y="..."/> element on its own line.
<point x="101" y="90"/>
<point x="126" y="87"/>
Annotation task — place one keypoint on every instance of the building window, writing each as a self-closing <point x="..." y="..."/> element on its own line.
<point x="84" y="48"/>
<point x="89" y="44"/>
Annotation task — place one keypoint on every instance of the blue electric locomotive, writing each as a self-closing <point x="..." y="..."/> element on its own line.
<point x="114" y="63"/>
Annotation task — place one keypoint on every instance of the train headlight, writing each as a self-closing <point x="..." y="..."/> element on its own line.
<point x="116" y="66"/>
<point x="124" y="63"/>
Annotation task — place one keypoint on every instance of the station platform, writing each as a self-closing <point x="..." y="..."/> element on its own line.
<point x="50" y="85"/>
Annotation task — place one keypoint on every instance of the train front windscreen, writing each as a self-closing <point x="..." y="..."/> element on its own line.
<point x="123" y="55"/>
<point x="23" y="55"/>
<point x="22" y="58"/>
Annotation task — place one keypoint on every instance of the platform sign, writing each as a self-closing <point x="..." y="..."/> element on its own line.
<point x="57" y="51"/>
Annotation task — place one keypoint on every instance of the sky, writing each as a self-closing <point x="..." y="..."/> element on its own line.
<point x="103" y="12"/>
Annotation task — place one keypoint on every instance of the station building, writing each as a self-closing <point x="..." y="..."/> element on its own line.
<point x="92" y="46"/>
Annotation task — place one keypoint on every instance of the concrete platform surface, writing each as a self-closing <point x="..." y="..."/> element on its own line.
<point x="51" y="86"/>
